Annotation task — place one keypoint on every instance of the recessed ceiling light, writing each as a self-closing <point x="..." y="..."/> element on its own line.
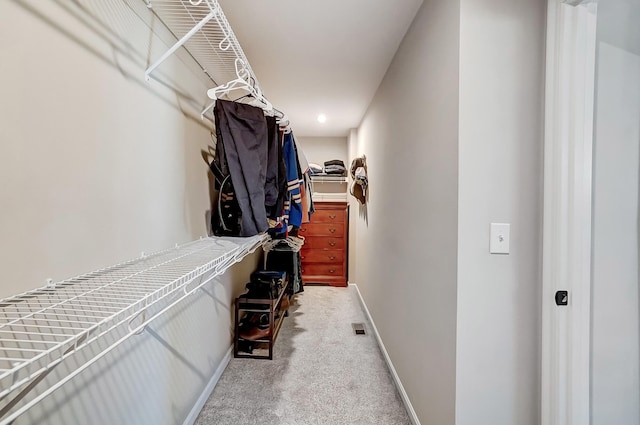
<point x="322" y="118"/>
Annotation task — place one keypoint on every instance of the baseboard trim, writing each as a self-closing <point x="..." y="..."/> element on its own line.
<point x="206" y="393"/>
<point x="387" y="359"/>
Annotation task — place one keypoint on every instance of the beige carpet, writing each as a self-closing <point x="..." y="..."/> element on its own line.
<point x="322" y="373"/>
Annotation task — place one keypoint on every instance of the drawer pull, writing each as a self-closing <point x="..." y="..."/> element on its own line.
<point x="332" y="257"/>
<point x="332" y="243"/>
<point x="332" y="271"/>
<point x="302" y="257"/>
<point x="332" y="230"/>
<point x="303" y="229"/>
<point x="332" y="217"/>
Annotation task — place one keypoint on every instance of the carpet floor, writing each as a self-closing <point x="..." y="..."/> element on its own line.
<point x="322" y="373"/>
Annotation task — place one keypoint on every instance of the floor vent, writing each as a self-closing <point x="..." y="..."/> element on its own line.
<point x="358" y="328"/>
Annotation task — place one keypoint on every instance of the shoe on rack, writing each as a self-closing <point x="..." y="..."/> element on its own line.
<point x="260" y="331"/>
<point x="249" y="321"/>
<point x="285" y="303"/>
<point x="284" y="306"/>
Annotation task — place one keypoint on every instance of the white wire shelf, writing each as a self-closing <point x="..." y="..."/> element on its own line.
<point x="204" y="31"/>
<point x="42" y="327"/>
<point x="328" y="178"/>
<point x="329" y="196"/>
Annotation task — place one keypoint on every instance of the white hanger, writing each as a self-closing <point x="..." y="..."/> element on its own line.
<point x="282" y="120"/>
<point x="242" y="83"/>
<point x="285" y="126"/>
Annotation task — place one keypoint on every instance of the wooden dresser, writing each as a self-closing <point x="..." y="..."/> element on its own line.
<point x="325" y="251"/>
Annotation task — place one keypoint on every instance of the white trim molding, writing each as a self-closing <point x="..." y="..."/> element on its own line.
<point x="396" y="379"/>
<point x="566" y="330"/>
<point x="208" y="390"/>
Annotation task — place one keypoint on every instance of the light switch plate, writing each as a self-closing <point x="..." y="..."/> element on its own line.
<point x="499" y="239"/>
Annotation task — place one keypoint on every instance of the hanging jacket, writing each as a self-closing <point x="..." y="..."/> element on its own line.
<point x="293" y="203"/>
<point x="242" y="152"/>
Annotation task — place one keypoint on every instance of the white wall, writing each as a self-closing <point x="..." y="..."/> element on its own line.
<point x="407" y="244"/>
<point x="98" y="166"/>
<point x="354" y="211"/>
<point x="461" y="326"/>
<point x="500" y="180"/>
<point x="615" y="385"/>
<point x="321" y="149"/>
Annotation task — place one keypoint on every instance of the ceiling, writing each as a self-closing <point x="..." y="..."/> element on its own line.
<point x="322" y="57"/>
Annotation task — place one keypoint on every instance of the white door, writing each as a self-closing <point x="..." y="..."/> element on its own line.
<point x="591" y="346"/>
<point x="615" y="319"/>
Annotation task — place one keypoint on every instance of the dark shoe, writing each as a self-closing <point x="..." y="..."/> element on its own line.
<point x="249" y="321"/>
<point x="261" y="331"/>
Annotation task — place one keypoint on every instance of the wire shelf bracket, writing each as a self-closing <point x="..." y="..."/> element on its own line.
<point x="201" y="27"/>
<point x="180" y="43"/>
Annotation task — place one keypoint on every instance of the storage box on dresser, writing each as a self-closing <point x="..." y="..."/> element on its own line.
<point x="324" y="254"/>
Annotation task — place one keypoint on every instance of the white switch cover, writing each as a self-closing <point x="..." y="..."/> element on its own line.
<point x="499" y="240"/>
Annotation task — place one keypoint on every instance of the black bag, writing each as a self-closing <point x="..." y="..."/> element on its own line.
<point x="269" y="283"/>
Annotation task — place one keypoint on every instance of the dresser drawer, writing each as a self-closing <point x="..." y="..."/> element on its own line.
<point x="322" y="229"/>
<point x="328" y="216"/>
<point x="324" y="254"/>
<point x="329" y="270"/>
<point x="324" y="242"/>
<point x="321" y="256"/>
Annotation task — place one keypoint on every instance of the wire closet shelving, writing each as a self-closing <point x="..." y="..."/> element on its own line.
<point x="201" y="27"/>
<point x="328" y="178"/>
<point x="41" y="328"/>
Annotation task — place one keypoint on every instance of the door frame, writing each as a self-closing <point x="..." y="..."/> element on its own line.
<point x="568" y="165"/>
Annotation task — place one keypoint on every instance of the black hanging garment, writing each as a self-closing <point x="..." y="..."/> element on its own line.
<point x="276" y="210"/>
<point x="284" y="259"/>
<point x="227" y="216"/>
<point x="276" y="184"/>
<point x="242" y="156"/>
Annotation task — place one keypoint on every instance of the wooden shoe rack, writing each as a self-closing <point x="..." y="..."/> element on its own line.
<point x="259" y="348"/>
